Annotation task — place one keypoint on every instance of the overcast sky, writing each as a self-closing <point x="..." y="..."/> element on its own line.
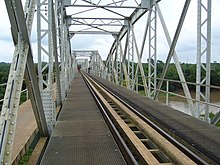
<point x="171" y="9"/>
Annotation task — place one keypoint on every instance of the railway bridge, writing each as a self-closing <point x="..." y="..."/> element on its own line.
<point x="86" y="106"/>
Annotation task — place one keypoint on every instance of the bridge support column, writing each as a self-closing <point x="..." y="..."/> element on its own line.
<point x="96" y="64"/>
<point x="47" y="57"/>
<point x="152" y="60"/>
<point x="130" y="55"/>
<point x="203" y="53"/>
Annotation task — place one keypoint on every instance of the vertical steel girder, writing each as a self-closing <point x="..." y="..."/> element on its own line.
<point x="96" y="64"/>
<point x="63" y="46"/>
<point x="60" y="20"/>
<point x="124" y="72"/>
<point x="22" y="65"/>
<point x="142" y="48"/>
<point x="152" y="60"/>
<point x="45" y="33"/>
<point x="72" y="67"/>
<point x="117" y="62"/>
<point x="203" y="50"/>
<point x="70" y="64"/>
<point x="114" y="71"/>
<point x="110" y="68"/>
<point x="130" y="55"/>
<point x="55" y="53"/>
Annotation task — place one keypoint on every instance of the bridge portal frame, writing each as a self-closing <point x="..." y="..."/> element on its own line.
<point x="119" y="67"/>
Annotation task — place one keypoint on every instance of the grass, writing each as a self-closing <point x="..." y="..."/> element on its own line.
<point x="26" y="157"/>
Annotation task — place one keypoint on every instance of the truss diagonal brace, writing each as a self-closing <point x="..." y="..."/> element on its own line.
<point x="173" y="45"/>
<point x="18" y="68"/>
<point x="177" y="64"/>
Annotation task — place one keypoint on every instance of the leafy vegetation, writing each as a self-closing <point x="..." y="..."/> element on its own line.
<point x="4" y="71"/>
<point x="211" y="116"/>
<point x="26" y="157"/>
<point x="189" y="71"/>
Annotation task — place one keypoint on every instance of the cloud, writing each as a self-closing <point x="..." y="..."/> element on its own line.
<point x="7" y="49"/>
<point x="171" y="9"/>
<point x="102" y="43"/>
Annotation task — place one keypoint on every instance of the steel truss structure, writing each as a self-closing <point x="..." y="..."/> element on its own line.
<point x="203" y="50"/>
<point x="90" y="61"/>
<point x="58" y="21"/>
<point x="22" y="66"/>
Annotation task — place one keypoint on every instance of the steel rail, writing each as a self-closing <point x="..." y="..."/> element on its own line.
<point x="196" y="158"/>
<point x="139" y="135"/>
<point x="122" y="145"/>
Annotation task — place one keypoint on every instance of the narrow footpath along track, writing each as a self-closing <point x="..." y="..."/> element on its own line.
<point x="140" y="141"/>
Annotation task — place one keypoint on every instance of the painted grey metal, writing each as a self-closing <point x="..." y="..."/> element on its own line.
<point x="143" y="77"/>
<point x="152" y="60"/>
<point x="216" y="119"/>
<point x="173" y="45"/>
<point x="93" y="5"/>
<point x="131" y="49"/>
<point x="94" y="32"/>
<point x="55" y="54"/>
<point x="117" y="62"/>
<point x="11" y="100"/>
<point x="94" y="66"/>
<point x="177" y="64"/>
<point x="60" y="21"/>
<point x="22" y="57"/>
<point x="35" y="97"/>
<point x="142" y="49"/>
<point x="130" y="55"/>
<point x="203" y="50"/>
<point x="31" y="76"/>
<point x="46" y="59"/>
<point x="119" y="67"/>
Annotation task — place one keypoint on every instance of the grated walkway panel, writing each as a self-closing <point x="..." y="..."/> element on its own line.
<point x="81" y="135"/>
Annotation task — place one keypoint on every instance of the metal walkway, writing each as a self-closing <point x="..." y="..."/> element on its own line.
<point x="81" y="135"/>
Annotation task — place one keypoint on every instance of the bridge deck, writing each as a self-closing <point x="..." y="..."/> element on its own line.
<point x="196" y="134"/>
<point x="81" y="135"/>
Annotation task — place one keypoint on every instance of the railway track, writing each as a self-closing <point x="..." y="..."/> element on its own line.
<point x="140" y="140"/>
